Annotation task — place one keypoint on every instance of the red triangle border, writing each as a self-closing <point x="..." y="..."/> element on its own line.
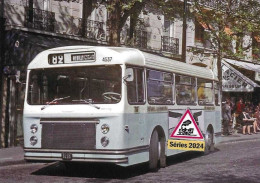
<point x="195" y="124"/>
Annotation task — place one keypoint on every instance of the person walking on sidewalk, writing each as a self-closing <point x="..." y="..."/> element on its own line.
<point x="227" y="118"/>
<point x="240" y="107"/>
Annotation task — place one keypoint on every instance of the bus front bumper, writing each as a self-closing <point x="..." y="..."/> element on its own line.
<point x="102" y="156"/>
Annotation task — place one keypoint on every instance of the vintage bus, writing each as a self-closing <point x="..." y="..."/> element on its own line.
<point x="115" y="105"/>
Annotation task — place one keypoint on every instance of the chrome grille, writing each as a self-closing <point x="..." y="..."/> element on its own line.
<point x="68" y="135"/>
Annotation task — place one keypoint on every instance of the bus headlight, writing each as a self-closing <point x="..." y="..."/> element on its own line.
<point x="33" y="140"/>
<point x="104" y="128"/>
<point x="104" y="141"/>
<point x="34" y="128"/>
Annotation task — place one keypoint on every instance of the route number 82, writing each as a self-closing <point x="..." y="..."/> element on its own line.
<point x="56" y="59"/>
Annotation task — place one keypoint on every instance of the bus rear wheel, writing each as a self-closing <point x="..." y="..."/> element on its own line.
<point x="154" y="151"/>
<point x="209" y="141"/>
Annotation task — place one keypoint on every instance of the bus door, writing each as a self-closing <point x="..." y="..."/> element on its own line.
<point x="136" y="100"/>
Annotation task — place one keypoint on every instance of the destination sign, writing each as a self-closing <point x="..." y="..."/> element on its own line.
<point x="68" y="58"/>
<point x="83" y="57"/>
<point x="54" y="59"/>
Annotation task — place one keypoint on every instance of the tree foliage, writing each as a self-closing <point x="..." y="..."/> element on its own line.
<point x="120" y="10"/>
<point x="227" y="23"/>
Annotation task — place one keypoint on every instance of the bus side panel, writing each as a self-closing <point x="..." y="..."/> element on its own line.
<point x="209" y="117"/>
<point x="217" y="127"/>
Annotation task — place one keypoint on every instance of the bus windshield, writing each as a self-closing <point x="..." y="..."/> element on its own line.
<point x="75" y="85"/>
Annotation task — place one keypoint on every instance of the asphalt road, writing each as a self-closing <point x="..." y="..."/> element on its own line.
<point x="231" y="162"/>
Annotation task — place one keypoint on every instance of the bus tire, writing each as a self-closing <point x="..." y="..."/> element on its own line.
<point x="154" y="151"/>
<point x="209" y="140"/>
<point x="162" y="154"/>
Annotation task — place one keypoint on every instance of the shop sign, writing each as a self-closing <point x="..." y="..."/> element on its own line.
<point x="257" y="76"/>
<point x="232" y="82"/>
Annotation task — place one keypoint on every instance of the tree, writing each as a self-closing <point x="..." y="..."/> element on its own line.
<point x="227" y="21"/>
<point x="120" y="10"/>
<point x="87" y="7"/>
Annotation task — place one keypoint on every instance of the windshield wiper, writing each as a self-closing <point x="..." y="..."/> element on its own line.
<point x="54" y="100"/>
<point x="87" y="102"/>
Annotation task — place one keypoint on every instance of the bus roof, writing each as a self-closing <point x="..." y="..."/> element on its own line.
<point x="119" y="55"/>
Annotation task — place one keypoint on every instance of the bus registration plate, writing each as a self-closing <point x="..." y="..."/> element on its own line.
<point x="66" y="156"/>
<point x="187" y="145"/>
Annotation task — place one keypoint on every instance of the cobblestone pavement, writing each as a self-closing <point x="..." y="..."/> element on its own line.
<point x="237" y="161"/>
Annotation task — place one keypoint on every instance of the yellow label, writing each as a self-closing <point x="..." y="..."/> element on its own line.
<point x="187" y="145"/>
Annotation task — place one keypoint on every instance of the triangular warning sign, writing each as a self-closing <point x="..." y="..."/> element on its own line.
<point x="187" y="128"/>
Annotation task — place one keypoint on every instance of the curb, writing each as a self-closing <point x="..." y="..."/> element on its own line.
<point x="8" y="163"/>
<point x="238" y="138"/>
<point x="11" y="156"/>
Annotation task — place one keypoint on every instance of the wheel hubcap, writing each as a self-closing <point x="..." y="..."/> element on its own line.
<point x="159" y="150"/>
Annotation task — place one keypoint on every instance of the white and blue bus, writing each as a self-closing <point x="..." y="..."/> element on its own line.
<point x="115" y="105"/>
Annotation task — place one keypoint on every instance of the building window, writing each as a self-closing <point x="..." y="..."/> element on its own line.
<point x="39" y="19"/>
<point x="199" y="32"/>
<point x="167" y="26"/>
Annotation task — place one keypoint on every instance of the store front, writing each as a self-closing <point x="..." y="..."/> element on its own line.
<point x="236" y="84"/>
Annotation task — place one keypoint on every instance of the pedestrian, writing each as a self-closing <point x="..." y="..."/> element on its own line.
<point x="233" y="113"/>
<point x="240" y="107"/>
<point x="248" y="122"/>
<point x="257" y="121"/>
<point x="227" y="117"/>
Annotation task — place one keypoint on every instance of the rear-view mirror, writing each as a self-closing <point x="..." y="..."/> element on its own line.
<point x="129" y="75"/>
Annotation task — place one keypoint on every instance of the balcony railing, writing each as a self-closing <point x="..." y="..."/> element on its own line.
<point x="141" y="39"/>
<point x="39" y="19"/>
<point x="94" y="30"/>
<point x="170" y="44"/>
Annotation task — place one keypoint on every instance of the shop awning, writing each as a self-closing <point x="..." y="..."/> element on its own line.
<point x="235" y="81"/>
<point x="244" y="65"/>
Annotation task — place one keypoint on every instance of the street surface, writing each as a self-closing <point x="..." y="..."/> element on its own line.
<point x="231" y="162"/>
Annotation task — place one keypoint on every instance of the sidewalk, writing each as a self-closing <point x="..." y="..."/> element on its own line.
<point x="15" y="155"/>
<point x="239" y="137"/>
<point x="11" y="156"/>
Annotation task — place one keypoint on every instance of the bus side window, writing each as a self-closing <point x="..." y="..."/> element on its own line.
<point x="185" y="90"/>
<point x="135" y="88"/>
<point x="205" y="91"/>
<point x="159" y="87"/>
